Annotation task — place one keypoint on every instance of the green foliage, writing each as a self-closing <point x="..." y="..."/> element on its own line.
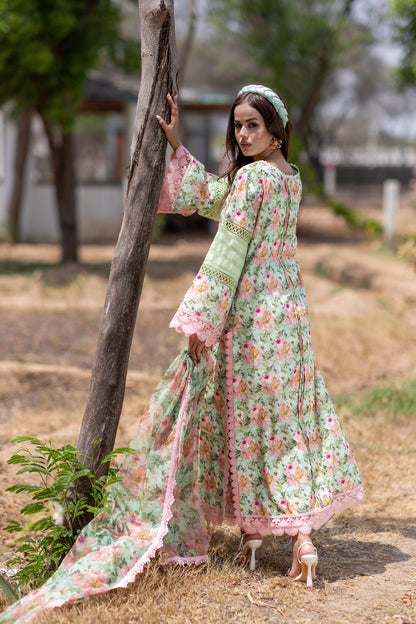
<point x="355" y="219"/>
<point x="404" y="15"/>
<point x="299" y="42"/>
<point x="47" y="48"/>
<point x="295" y="47"/>
<point x="46" y="531"/>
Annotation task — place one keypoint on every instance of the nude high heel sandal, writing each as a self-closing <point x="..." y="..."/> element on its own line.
<point x="248" y="550"/>
<point x="308" y="563"/>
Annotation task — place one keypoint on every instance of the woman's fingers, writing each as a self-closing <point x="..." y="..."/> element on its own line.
<point x="171" y="128"/>
<point x="162" y="122"/>
<point x="173" y="100"/>
<point x="195" y="348"/>
<point x="173" y="112"/>
<point x="173" y="103"/>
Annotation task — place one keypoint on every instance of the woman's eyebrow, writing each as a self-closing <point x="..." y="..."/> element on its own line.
<point x="249" y="119"/>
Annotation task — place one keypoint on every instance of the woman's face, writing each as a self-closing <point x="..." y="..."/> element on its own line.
<point x="250" y="131"/>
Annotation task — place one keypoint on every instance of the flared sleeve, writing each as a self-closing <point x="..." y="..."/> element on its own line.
<point x="207" y="302"/>
<point x="188" y="188"/>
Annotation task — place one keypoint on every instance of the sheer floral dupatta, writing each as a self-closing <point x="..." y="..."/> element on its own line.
<point x="155" y="505"/>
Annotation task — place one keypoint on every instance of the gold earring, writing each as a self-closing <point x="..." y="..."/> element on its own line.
<point x="276" y="143"/>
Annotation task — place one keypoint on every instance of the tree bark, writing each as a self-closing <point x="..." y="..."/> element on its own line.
<point x="106" y="393"/>
<point x="66" y="199"/>
<point x="61" y="149"/>
<point x="22" y="150"/>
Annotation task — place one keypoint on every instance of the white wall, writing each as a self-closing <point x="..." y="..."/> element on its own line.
<point x="100" y="210"/>
<point x="100" y="205"/>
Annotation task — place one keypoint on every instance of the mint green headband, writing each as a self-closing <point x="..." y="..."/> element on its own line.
<point x="270" y="95"/>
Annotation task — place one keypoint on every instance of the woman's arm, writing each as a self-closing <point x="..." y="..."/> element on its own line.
<point x="205" y="307"/>
<point x="187" y="187"/>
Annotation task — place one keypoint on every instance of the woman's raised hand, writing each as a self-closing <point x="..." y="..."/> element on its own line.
<point x="172" y="129"/>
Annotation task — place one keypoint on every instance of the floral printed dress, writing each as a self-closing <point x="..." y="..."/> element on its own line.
<point x="273" y="457"/>
<point x="246" y="436"/>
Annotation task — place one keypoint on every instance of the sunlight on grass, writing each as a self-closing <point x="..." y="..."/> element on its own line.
<point x="394" y="401"/>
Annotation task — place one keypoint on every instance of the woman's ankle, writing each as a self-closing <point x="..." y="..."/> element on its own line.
<point x="298" y="540"/>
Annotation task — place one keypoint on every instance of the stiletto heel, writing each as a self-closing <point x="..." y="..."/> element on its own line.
<point x="308" y="563"/>
<point x="248" y="549"/>
<point x="252" y="545"/>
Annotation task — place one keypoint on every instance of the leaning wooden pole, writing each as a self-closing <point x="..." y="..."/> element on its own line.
<point x="108" y="378"/>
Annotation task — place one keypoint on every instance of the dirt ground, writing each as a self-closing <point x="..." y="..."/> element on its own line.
<point x="362" y="304"/>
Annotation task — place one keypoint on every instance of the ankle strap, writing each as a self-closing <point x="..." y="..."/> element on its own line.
<point x="300" y="548"/>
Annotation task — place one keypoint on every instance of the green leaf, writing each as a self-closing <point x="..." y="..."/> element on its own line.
<point x="22" y="487"/>
<point x="85" y="472"/>
<point x="26" y="438"/>
<point x="32" y="508"/>
<point x="122" y="450"/>
<point x="17" y="459"/>
<point x="34" y="468"/>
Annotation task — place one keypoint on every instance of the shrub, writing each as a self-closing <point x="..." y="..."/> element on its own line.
<point x="48" y="529"/>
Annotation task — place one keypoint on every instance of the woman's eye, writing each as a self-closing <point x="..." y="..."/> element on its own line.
<point x="237" y="125"/>
<point x="253" y="125"/>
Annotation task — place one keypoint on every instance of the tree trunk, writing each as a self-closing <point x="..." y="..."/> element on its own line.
<point x="106" y="394"/>
<point x="66" y="199"/>
<point x="324" y="66"/>
<point x="22" y="150"/>
<point x="61" y="149"/>
<point x="186" y="46"/>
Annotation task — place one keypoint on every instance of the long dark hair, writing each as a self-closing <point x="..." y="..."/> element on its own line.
<point x="273" y="123"/>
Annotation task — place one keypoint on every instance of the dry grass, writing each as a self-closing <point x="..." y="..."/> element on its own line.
<point x="362" y="309"/>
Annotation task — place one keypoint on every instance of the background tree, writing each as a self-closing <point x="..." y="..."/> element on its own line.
<point x="186" y="45"/>
<point x="47" y="48"/>
<point x="295" y="46"/>
<point x="404" y="15"/>
<point x="19" y="169"/>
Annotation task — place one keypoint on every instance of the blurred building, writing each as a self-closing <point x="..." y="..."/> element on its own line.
<point x="103" y="134"/>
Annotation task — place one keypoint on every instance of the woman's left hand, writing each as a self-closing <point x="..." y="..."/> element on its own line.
<point x="195" y="348"/>
<point x="171" y="129"/>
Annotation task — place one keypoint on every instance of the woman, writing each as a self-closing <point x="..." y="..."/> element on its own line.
<point x="284" y="464"/>
<point x="240" y="428"/>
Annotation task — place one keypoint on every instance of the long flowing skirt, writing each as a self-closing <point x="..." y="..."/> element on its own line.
<point x="160" y="503"/>
<point x="155" y="506"/>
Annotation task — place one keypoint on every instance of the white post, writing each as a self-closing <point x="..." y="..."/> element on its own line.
<point x="330" y="174"/>
<point x="391" y="200"/>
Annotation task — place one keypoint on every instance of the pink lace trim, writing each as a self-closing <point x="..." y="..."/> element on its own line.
<point x="173" y="180"/>
<point x="163" y="528"/>
<point x="230" y="424"/>
<point x="278" y="525"/>
<point x="266" y="525"/>
<point x="190" y="323"/>
<point x="168" y="502"/>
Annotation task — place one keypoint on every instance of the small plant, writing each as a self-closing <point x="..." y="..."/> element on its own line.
<point x="371" y="227"/>
<point x="48" y="529"/>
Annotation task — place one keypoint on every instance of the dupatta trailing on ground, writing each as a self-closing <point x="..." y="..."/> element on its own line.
<point x="156" y="505"/>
